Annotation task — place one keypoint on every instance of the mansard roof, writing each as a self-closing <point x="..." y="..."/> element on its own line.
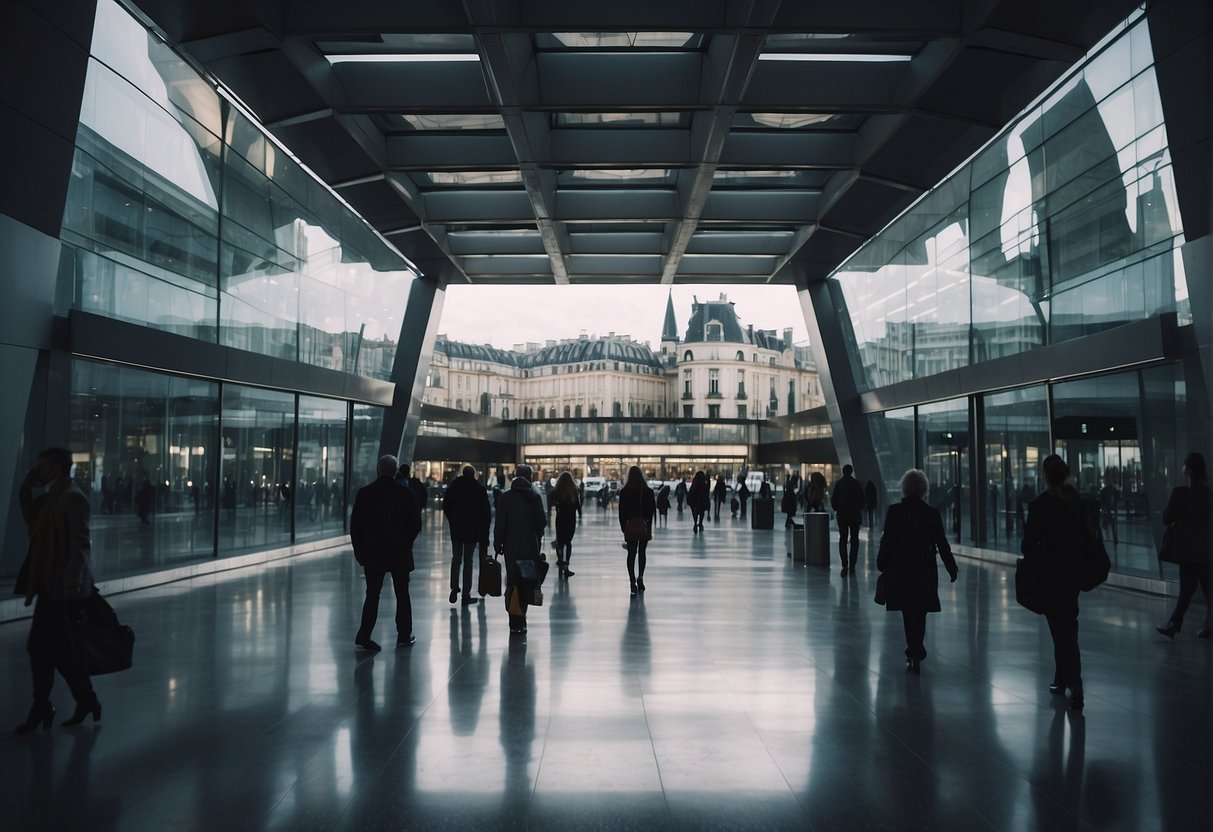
<point x="478" y="352"/>
<point x="592" y="349"/>
<point x="732" y="332"/>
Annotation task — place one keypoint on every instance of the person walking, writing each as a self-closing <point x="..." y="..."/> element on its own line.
<point x="719" y="492"/>
<point x="636" y="506"/>
<point x="663" y="502"/>
<point x="871" y="502"/>
<point x="847" y="500"/>
<point x="517" y="534"/>
<point x="383" y="525"/>
<point x="57" y="577"/>
<point x="466" y="506"/>
<point x="913" y="534"/>
<point x="815" y="498"/>
<point x="1053" y="534"/>
<point x="1187" y="519"/>
<point x="698" y="497"/>
<point x="743" y="494"/>
<point x="680" y="493"/>
<point x="568" y="513"/>
<point x="789" y="501"/>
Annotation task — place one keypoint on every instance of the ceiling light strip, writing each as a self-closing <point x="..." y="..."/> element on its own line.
<point x="836" y="57"/>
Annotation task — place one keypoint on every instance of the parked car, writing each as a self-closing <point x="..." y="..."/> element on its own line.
<point x="593" y="485"/>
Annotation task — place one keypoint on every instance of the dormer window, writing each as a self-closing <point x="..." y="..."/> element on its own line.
<point x="715" y="331"/>
<point x="688" y="356"/>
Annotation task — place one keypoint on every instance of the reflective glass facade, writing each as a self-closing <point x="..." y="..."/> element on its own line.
<point x="1065" y="225"/>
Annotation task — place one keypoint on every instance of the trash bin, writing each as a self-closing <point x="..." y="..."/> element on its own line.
<point x="762" y="513"/>
<point x="798" y="542"/>
<point x="817" y="538"/>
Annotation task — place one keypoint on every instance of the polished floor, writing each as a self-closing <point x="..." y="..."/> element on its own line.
<point x="741" y="691"/>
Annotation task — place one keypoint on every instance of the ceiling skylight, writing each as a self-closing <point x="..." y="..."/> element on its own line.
<point x="676" y="119"/>
<point x="440" y="121"/>
<point x="475" y="177"/>
<point x="618" y="40"/>
<point x="797" y="121"/>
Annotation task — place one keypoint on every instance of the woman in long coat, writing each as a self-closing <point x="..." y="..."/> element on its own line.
<point x="636" y="500"/>
<point x="698" y="497"/>
<point x="1187" y="515"/>
<point x="1055" y="532"/>
<point x="567" y="501"/>
<point x="913" y="533"/>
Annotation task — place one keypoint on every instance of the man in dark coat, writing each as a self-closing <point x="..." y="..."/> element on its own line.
<point x="520" y="525"/>
<point x="847" y="500"/>
<point x="383" y="526"/>
<point x="466" y="506"/>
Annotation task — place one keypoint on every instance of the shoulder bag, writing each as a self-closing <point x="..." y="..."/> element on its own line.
<point x="107" y="644"/>
<point x="636" y="529"/>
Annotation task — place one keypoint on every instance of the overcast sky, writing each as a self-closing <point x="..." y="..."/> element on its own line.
<point x="507" y="315"/>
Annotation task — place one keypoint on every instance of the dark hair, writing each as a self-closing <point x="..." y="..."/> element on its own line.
<point x="847" y="470"/>
<point x="635" y="478"/>
<point x="59" y="457"/>
<point x="1055" y="470"/>
<point x="1195" y="463"/>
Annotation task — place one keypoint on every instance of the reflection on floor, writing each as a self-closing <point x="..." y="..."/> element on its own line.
<point x="740" y="691"/>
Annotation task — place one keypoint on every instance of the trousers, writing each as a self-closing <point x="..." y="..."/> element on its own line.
<point x="370" y="607"/>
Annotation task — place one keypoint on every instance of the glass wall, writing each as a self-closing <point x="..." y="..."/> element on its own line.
<point x="320" y="478"/>
<point x="1015" y="441"/>
<point x="893" y="438"/>
<point x="1065" y="225"/>
<point x="366" y="431"/>
<point x="183" y="215"/>
<point x="943" y="443"/>
<point x="258" y="469"/>
<point x="145" y="447"/>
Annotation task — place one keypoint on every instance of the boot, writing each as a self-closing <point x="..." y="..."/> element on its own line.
<point x="43" y="712"/>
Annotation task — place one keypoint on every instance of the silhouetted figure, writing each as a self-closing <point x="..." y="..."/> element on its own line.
<point x="698" y="497"/>
<point x="383" y="525"/>
<point x="816" y="499"/>
<point x="145" y="501"/>
<point x="719" y="492"/>
<point x="743" y="494"/>
<point x="788" y="503"/>
<point x="636" y="501"/>
<point x="466" y="506"/>
<point x="517" y="534"/>
<point x="567" y="501"/>
<point x="663" y="502"/>
<point x="913" y="534"/>
<point x="847" y="500"/>
<point x="871" y="501"/>
<point x="1054" y="532"/>
<point x="1109" y="502"/>
<point x="680" y="494"/>
<point x="1187" y="518"/>
<point x="56" y="573"/>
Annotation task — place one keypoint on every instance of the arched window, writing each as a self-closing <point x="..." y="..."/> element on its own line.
<point x="740" y="355"/>
<point x="552" y="412"/>
<point x="486" y="404"/>
<point x="459" y="404"/>
<point x="688" y="356"/>
<point x="577" y="412"/>
<point x="593" y="411"/>
<point x="505" y="413"/>
<point x="618" y="409"/>
<point x="567" y="411"/>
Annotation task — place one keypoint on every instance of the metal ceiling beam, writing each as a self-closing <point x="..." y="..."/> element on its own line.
<point x="739" y="66"/>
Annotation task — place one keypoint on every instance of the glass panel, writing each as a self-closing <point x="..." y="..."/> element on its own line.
<point x="943" y="437"/>
<point x="618" y="40"/>
<point x="320" y="476"/>
<point x="145" y="454"/>
<point x="440" y="178"/>
<point x="367" y="432"/>
<point x="393" y="122"/>
<point x="587" y="176"/>
<point x="621" y="119"/>
<point x="782" y="178"/>
<point x="257" y="470"/>
<point x="1016" y="441"/>
<point x="797" y="121"/>
<point x="893" y="438"/>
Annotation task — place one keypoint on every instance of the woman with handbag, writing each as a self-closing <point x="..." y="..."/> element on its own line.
<point x="636" y="509"/>
<point x="1055" y="531"/>
<point x="516" y="534"/>
<point x="568" y="512"/>
<point x="56" y="572"/>
<point x="913" y="533"/>
<point x="1186" y="542"/>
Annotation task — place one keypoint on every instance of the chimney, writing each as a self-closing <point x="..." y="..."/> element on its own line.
<point x="787" y="338"/>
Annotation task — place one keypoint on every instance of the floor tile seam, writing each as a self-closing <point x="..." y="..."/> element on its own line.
<point x="665" y="798"/>
<point x="543" y="750"/>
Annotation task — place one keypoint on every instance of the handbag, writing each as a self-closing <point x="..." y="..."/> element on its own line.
<point x="536" y="597"/>
<point x="490" y="577"/>
<point x="1030" y="585"/>
<point x="882" y="589"/>
<point x="636" y="529"/>
<point x="1095" y="564"/>
<point x="532" y="571"/>
<point x="107" y="644"/>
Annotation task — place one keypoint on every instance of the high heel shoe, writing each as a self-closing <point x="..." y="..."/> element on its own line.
<point x="1169" y="629"/>
<point x="568" y="573"/>
<point x="41" y="712"/>
<point x="640" y="584"/>
<point x="1204" y="632"/>
<point x="83" y="709"/>
<point x="633" y="588"/>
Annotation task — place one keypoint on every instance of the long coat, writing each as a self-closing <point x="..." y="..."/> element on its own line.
<point x="1188" y="513"/>
<point x="636" y="502"/>
<point x="466" y="506"/>
<point x="567" y="514"/>
<point x="383" y="525"/>
<point x="520" y="524"/>
<point x="913" y="533"/>
<point x="66" y="573"/>
<point x="846" y="498"/>
<point x="1055" y="532"/>
<point x="699" y="496"/>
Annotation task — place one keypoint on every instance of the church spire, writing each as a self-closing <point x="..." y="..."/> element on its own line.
<point x="669" y="331"/>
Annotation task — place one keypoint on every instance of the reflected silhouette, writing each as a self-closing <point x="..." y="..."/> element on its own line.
<point x="635" y="648"/>
<point x="469" y="672"/>
<point x="517" y="724"/>
<point x="1058" y="773"/>
<point x="63" y="802"/>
